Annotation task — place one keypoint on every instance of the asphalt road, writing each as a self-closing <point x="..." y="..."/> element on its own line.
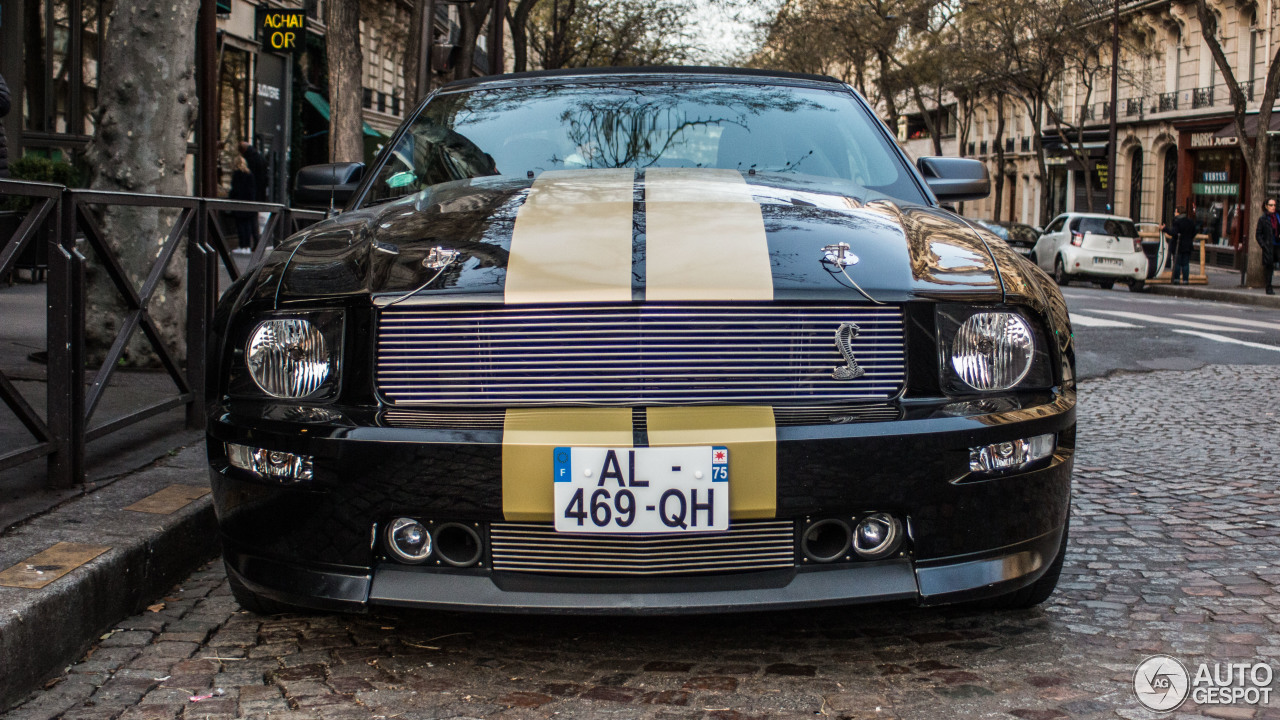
<point x="1118" y="330"/>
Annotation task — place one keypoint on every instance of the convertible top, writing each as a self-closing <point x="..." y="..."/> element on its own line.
<point x="652" y="70"/>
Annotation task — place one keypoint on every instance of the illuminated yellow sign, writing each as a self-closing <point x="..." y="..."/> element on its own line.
<point x="282" y="30"/>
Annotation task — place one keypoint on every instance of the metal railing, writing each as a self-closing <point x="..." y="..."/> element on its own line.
<point x="1168" y="101"/>
<point x="1202" y="97"/>
<point x="1133" y="106"/>
<point x="71" y="222"/>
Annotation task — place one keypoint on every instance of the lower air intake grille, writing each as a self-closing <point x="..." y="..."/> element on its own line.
<point x="746" y="547"/>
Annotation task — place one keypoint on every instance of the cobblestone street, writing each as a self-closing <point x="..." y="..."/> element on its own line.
<point x="1175" y="548"/>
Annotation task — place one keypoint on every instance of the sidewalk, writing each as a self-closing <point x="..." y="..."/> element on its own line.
<point x="69" y="575"/>
<point x="1224" y="286"/>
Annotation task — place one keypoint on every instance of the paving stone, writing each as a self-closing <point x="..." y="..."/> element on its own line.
<point x="1174" y="548"/>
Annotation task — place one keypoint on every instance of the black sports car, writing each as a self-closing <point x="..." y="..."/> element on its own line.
<point x="628" y="341"/>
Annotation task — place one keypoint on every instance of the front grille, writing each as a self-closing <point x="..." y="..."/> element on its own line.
<point x="747" y="546"/>
<point x="637" y="354"/>
<point x="494" y="419"/>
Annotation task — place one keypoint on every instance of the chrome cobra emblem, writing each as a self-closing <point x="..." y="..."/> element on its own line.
<point x="844" y="341"/>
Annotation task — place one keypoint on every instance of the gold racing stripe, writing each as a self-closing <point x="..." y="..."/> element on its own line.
<point x="572" y="240"/>
<point x="528" y="437"/>
<point x="749" y="433"/>
<point x="704" y="237"/>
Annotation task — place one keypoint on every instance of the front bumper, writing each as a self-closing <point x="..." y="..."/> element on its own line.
<point x="313" y="544"/>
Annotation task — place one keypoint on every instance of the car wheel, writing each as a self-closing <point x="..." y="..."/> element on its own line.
<point x="1106" y="284"/>
<point x="255" y="603"/>
<point x="1060" y="272"/>
<point x="1038" y="591"/>
<point x="1137" y="285"/>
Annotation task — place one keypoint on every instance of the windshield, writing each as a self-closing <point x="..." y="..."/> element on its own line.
<point x="824" y="137"/>
<point x="1107" y="226"/>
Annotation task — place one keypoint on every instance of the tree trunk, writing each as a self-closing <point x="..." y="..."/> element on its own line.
<point x="519" y="20"/>
<point x="346" y="65"/>
<point x="147" y="112"/>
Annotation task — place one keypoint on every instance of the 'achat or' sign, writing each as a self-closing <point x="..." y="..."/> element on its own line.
<point x="282" y="30"/>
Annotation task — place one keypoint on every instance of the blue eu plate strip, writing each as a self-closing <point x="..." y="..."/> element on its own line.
<point x="560" y="458"/>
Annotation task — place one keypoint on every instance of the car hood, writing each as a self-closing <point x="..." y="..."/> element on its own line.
<point x="688" y="234"/>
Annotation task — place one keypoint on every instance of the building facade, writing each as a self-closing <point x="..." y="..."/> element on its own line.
<point x="1176" y="141"/>
<point x="50" y="52"/>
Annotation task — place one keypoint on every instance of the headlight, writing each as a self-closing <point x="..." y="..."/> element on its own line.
<point x="294" y="357"/>
<point x="990" y="351"/>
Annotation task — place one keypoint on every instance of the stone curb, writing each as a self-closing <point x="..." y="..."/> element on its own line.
<point x="1240" y="297"/>
<point x="42" y="631"/>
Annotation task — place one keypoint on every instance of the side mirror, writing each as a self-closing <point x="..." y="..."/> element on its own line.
<point x="955" y="179"/>
<point x="320" y="186"/>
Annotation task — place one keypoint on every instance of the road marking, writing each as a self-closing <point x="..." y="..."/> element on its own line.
<point x="1234" y="321"/>
<point x="1170" y="321"/>
<point x="46" y="566"/>
<point x="169" y="500"/>
<point x="1225" y="339"/>
<point x="1087" y="321"/>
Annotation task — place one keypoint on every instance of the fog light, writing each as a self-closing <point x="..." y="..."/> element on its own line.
<point x="272" y="464"/>
<point x="876" y="536"/>
<point x="409" y="540"/>
<point x="1011" y="455"/>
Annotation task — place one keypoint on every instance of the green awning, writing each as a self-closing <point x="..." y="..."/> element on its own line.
<point x="320" y="104"/>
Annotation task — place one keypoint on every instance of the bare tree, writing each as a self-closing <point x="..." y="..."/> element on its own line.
<point x="1256" y="155"/>
<point x="140" y="146"/>
<point x="518" y="20"/>
<point x="592" y="33"/>
<point x="346" y="67"/>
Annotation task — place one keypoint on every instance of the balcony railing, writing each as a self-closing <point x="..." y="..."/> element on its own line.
<point x="1168" y="101"/>
<point x="1026" y="145"/>
<point x="1008" y="144"/>
<point x="1133" y="106"/>
<point x="982" y="148"/>
<point x="1086" y="113"/>
<point x="1202" y="97"/>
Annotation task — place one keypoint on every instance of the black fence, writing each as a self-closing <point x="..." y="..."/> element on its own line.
<point x="65" y="221"/>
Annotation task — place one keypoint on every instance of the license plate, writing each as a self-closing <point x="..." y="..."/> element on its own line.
<point x="1107" y="261"/>
<point x="641" y="490"/>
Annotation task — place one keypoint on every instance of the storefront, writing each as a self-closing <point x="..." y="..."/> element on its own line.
<point x="1215" y="180"/>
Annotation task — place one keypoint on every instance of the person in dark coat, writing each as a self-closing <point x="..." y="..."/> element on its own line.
<point x="1182" y="239"/>
<point x="4" y="144"/>
<point x="243" y="188"/>
<point x="1267" y="234"/>
<point x="258" y="168"/>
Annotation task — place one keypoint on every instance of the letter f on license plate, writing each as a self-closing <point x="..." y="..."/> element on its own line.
<point x="640" y="491"/>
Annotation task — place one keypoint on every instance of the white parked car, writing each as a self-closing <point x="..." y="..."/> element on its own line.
<point x="1099" y="248"/>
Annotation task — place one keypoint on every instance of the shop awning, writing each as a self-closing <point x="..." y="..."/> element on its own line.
<point x="1250" y="127"/>
<point x="322" y="106"/>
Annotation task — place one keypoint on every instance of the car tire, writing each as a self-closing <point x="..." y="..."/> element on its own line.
<point x="255" y="603"/>
<point x="1137" y="285"/>
<point x="1060" y="272"/>
<point x="1106" y="284"/>
<point x="1038" y="591"/>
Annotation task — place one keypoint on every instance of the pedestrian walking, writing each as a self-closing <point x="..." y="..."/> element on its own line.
<point x="1268" y="236"/>
<point x="4" y="144"/>
<point x="1182" y="239"/>
<point x="242" y="188"/>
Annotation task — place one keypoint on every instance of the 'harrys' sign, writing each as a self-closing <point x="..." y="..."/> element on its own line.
<point x="282" y="30"/>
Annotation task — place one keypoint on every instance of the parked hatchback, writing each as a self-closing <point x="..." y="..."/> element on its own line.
<point x="1100" y="248"/>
